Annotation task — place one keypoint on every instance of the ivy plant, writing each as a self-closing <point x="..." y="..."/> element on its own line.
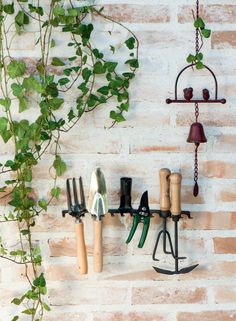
<point x="95" y="74"/>
<point x="204" y="32"/>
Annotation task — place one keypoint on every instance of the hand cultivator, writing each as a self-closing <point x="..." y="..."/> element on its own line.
<point x="170" y="200"/>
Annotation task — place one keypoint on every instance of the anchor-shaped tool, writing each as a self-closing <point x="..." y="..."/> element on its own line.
<point x="77" y="209"/>
<point x="174" y="183"/>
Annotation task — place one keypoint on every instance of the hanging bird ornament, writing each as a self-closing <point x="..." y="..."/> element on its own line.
<point x="196" y="134"/>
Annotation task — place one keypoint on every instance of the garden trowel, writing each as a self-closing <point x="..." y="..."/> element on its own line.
<point x="97" y="206"/>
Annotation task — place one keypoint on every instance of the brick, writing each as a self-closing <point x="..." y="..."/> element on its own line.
<point x="67" y="246"/>
<point x="144" y="272"/>
<point x="228" y="193"/>
<point x="132" y="316"/>
<point x="207" y="316"/>
<point x="188" y="198"/>
<point x="223" y="39"/>
<point x="212" y="13"/>
<point x="76" y="316"/>
<point x="210" y="221"/>
<point x="137" y="13"/>
<point x="225" y="245"/>
<point x="157" y="142"/>
<point x="161" y="40"/>
<point x="160" y="295"/>
<point x="93" y="142"/>
<point x="226" y="294"/>
<point x="219" y="169"/>
<point x="224" y="143"/>
<point x="101" y="295"/>
<point x="62" y="272"/>
<point x="52" y="221"/>
<point x="211" y="118"/>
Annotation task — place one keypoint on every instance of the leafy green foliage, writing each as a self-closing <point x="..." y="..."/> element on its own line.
<point x="16" y="68"/>
<point x="98" y="78"/>
<point x="59" y="165"/>
<point x="196" y="59"/>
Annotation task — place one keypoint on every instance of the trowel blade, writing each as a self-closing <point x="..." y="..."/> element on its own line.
<point x="97" y="203"/>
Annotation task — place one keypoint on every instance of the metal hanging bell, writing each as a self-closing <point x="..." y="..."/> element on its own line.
<point x="196" y="134"/>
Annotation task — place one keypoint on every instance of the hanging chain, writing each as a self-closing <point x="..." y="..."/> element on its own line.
<point x="196" y="163"/>
<point x="196" y="111"/>
<point x="197" y="31"/>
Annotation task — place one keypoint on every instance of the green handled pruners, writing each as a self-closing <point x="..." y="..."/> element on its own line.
<point x="142" y="215"/>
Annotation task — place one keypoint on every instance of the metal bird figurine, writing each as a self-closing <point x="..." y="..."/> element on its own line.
<point x="205" y="94"/>
<point x="188" y="93"/>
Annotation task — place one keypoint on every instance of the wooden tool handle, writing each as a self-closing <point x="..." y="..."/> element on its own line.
<point x="164" y="189"/>
<point x="175" y="191"/>
<point x="97" y="247"/>
<point x="81" y="248"/>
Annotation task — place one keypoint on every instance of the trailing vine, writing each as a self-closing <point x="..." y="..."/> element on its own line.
<point x="98" y="78"/>
<point x="201" y="30"/>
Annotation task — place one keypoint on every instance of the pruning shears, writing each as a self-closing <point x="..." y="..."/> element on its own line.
<point x="142" y="215"/>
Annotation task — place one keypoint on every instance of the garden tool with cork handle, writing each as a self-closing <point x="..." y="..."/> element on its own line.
<point x="77" y="209"/>
<point x="164" y="211"/>
<point x="97" y="206"/>
<point x="175" y="191"/>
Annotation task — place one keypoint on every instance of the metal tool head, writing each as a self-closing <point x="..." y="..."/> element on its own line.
<point x="143" y="209"/>
<point x="97" y="203"/>
<point x="76" y="205"/>
<point x="181" y="271"/>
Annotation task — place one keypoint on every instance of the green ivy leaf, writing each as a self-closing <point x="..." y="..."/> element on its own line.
<point x="3" y="124"/>
<point x="124" y="107"/>
<point x="110" y="66"/>
<point x="16" y="68"/>
<point x="21" y="19"/>
<point x="104" y="90"/>
<point x="98" y="54"/>
<point x="16" y="301"/>
<point x="9" y="8"/>
<point x="133" y="63"/>
<point x="86" y="74"/>
<point x="59" y="11"/>
<point x="38" y="10"/>
<point x="22" y="104"/>
<point x="53" y="43"/>
<point x="199" y="56"/>
<point x="15" y="318"/>
<point x="191" y="58"/>
<point x="72" y="12"/>
<point x="130" y="43"/>
<point x="55" y="192"/>
<point x="46" y="307"/>
<point x="6" y="102"/>
<point x="43" y="204"/>
<point x="17" y="90"/>
<point x="99" y="68"/>
<point x="63" y="81"/>
<point x="59" y="165"/>
<point x="55" y="103"/>
<point x="117" y="116"/>
<point x="31" y="83"/>
<point x="57" y="62"/>
<point x="6" y="135"/>
<point x="29" y="311"/>
<point x="199" y="65"/>
<point x="199" y="23"/>
<point x="40" y="281"/>
<point x="206" y="33"/>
